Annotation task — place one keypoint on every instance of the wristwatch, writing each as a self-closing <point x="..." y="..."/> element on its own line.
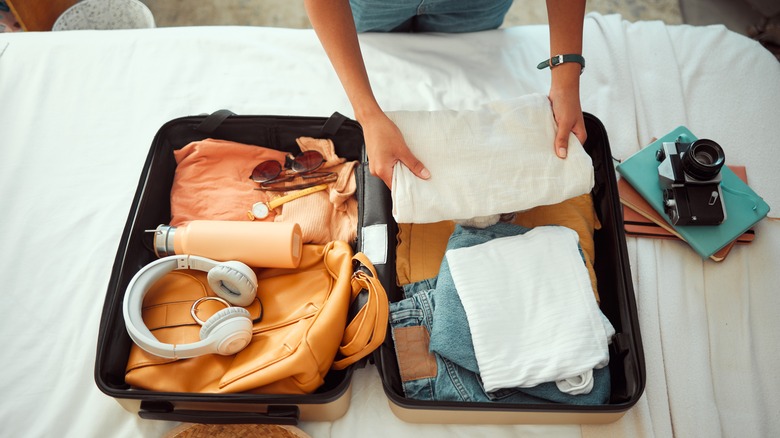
<point x="261" y="210"/>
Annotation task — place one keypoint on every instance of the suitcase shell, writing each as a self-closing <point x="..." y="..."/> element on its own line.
<point x="377" y="238"/>
<point x="151" y="207"/>
<point x="627" y="367"/>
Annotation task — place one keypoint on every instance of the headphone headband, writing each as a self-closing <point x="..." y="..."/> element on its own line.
<point x="132" y="305"/>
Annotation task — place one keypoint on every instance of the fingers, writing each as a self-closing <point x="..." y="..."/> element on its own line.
<point x="385" y="146"/>
<point x="580" y="132"/>
<point x="562" y="137"/>
<point x="567" y="125"/>
<point x="568" y="116"/>
<point x="562" y="142"/>
<point x="385" y="173"/>
<point x="408" y="159"/>
<point x="416" y="166"/>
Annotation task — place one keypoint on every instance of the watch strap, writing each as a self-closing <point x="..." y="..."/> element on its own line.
<point x="560" y="59"/>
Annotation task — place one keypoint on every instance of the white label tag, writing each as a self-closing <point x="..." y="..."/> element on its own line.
<point x="374" y="244"/>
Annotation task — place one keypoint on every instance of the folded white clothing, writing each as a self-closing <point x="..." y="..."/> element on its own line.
<point x="583" y="383"/>
<point x="531" y="308"/>
<point x="496" y="159"/>
<point x="577" y="385"/>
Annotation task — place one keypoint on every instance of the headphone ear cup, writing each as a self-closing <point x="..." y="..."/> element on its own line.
<point x="233" y="281"/>
<point x="232" y="328"/>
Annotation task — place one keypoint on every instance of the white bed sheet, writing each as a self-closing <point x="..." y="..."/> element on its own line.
<point x="79" y="110"/>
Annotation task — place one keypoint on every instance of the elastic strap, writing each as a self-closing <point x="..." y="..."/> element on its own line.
<point x="745" y="195"/>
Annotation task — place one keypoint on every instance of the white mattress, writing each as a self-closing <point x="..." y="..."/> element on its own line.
<point x="79" y="111"/>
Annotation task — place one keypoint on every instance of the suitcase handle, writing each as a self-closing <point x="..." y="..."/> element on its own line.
<point x="161" y="410"/>
<point x="333" y="124"/>
<point x="213" y="120"/>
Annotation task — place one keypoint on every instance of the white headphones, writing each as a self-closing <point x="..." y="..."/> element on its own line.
<point x="226" y="332"/>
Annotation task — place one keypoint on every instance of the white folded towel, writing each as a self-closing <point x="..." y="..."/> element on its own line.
<point x="496" y="159"/>
<point x="531" y="310"/>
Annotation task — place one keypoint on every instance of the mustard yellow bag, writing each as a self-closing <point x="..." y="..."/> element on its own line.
<point x="303" y="333"/>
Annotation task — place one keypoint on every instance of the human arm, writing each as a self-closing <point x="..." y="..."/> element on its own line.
<point x="566" y="22"/>
<point x="333" y="23"/>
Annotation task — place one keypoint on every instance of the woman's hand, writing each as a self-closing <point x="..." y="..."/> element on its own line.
<point x="385" y="146"/>
<point x="566" y="23"/>
<point x="565" y="101"/>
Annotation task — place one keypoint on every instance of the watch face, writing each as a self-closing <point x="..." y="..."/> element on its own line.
<point x="260" y="210"/>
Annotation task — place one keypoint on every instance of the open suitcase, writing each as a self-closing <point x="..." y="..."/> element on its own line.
<point x="626" y="363"/>
<point x="377" y="239"/>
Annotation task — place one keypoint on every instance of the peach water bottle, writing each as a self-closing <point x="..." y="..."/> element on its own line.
<point x="257" y="244"/>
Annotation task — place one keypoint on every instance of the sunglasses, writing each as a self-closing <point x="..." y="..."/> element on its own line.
<point x="271" y="174"/>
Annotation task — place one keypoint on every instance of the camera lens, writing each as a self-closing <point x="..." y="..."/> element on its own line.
<point x="703" y="159"/>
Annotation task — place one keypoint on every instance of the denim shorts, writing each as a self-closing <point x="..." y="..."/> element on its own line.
<point x="448" y="371"/>
<point x="450" y="16"/>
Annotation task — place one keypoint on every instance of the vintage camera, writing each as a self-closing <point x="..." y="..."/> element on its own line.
<point x="689" y="174"/>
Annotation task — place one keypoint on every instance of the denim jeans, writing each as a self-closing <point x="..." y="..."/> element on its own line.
<point x="434" y="304"/>
<point x="450" y="16"/>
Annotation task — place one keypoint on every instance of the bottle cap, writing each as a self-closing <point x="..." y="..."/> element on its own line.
<point x="163" y="240"/>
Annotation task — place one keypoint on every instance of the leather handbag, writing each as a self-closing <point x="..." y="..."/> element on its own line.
<point x="302" y="331"/>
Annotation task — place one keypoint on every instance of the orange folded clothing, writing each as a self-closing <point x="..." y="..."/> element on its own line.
<point x="212" y="182"/>
<point x="421" y="247"/>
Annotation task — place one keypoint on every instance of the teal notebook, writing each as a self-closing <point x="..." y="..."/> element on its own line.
<point x="743" y="206"/>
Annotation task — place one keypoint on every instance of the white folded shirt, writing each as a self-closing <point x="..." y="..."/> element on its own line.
<point x="496" y="159"/>
<point x="531" y="308"/>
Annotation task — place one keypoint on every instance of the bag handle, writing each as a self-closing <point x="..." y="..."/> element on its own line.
<point x="367" y="330"/>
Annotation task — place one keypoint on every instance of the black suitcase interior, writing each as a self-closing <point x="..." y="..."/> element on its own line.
<point x="151" y="207"/>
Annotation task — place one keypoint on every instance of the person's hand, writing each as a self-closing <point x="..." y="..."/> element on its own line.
<point x="385" y="146"/>
<point x="566" y="22"/>
<point x="568" y="116"/>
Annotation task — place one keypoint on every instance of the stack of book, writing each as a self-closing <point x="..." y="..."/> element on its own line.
<point x="643" y="214"/>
